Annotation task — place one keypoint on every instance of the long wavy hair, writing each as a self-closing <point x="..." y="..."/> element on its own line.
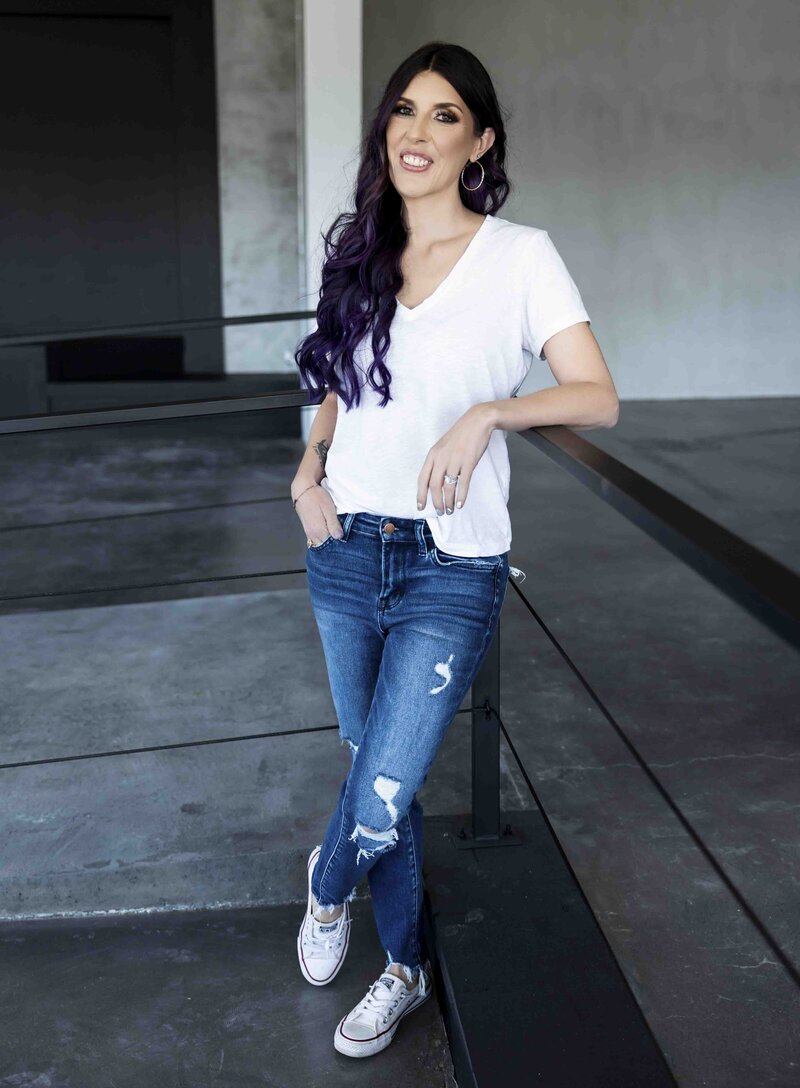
<point x="361" y="274"/>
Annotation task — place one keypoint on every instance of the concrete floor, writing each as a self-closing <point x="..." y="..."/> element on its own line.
<point x="708" y="696"/>
<point x="208" y="998"/>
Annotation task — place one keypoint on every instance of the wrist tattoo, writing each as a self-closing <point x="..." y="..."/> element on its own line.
<point x="322" y="448"/>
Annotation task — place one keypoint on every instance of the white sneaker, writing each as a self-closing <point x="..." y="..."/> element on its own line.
<point x="371" y="1025"/>
<point x="322" y="946"/>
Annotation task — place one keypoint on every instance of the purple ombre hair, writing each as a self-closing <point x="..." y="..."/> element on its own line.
<point x="361" y="274"/>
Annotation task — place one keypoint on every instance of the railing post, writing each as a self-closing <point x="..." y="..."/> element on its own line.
<point x="486" y="829"/>
<point x="486" y="745"/>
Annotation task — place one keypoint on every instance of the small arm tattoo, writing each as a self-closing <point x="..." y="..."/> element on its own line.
<point x="322" y="448"/>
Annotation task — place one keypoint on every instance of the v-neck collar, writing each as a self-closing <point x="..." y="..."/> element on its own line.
<point x="457" y="269"/>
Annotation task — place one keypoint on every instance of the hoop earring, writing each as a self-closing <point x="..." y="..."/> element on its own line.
<point x="471" y="189"/>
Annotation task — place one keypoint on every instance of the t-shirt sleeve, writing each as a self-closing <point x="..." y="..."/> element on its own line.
<point x="552" y="301"/>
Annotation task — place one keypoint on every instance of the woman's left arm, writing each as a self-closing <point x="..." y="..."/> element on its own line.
<point x="584" y="398"/>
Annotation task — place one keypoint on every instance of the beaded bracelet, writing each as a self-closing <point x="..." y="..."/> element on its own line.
<point x="294" y="501"/>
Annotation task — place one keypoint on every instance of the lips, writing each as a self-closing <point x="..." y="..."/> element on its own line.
<point x="411" y="151"/>
<point x="415" y="169"/>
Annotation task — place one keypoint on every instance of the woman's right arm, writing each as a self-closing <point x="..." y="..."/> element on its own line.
<point x="316" y="509"/>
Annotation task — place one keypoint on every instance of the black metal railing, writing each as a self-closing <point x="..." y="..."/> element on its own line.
<point x="766" y="588"/>
<point x="141" y="328"/>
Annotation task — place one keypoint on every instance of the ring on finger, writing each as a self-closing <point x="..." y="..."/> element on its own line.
<point x="450" y="479"/>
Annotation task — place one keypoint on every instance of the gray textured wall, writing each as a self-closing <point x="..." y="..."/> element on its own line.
<point x="260" y="137"/>
<point x="657" y="142"/>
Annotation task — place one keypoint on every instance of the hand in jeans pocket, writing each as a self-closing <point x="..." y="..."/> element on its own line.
<point x="317" y="512"/>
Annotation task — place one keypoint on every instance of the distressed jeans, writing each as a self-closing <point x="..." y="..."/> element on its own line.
<point x="404" y="628"/>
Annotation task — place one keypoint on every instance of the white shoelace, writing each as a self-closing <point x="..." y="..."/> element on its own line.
<point x="380" y="1001"/>
<point x="325" y="942"/>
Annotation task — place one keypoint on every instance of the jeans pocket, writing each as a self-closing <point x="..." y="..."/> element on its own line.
<point x="345" y="522"/>
<point x="322" y="543"/>
<point x="466" y="562"/>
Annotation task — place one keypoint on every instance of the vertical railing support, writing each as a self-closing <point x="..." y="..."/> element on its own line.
<point x="486" y="822"/>
<point x="486" y="745"/>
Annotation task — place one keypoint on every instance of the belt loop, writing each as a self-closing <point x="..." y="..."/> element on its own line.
<point x="419" y="525"/>
<point x="348" y="521"/>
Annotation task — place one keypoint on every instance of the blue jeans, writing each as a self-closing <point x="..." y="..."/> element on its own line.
<point x="404" y="629"/>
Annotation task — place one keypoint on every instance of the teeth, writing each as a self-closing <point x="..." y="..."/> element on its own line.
<point x="415" y="160"/>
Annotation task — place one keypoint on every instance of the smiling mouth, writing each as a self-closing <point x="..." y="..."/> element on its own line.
<point x="416" y="163"/>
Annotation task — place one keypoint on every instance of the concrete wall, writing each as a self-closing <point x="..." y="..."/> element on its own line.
<point x="657" y="142"/>
<point x="289" y="106"/>
<point x="259" y="58"/>
<point x="332" y="89"/>
<point x="332" y="93"/>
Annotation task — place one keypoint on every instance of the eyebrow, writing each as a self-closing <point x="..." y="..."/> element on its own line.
<point x="437" y="106"/>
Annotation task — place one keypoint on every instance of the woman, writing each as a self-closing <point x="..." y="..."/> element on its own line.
<point x="431" y="310"/>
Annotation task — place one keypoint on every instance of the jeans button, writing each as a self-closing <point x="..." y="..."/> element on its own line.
<point x="389" y="527"/>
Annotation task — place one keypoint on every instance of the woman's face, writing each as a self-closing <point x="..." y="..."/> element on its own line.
<point x="431" y="120"/>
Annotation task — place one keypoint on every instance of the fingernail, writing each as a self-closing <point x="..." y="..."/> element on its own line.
<point x="449" y="509"/>
<point x="419" y="506"/>
<point x="459" y="504"/>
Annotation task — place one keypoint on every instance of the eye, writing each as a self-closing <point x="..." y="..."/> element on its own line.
<point x="450" y="118"/>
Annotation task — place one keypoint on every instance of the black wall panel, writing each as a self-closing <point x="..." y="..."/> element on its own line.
<point x="109" y="195"/>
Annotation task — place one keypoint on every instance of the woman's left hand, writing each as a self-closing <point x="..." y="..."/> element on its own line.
<point x="456" y="453"/>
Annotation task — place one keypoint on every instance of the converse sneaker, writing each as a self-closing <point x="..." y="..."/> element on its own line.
<point x="371" y="1025"/>
<point x="322" y="946"/>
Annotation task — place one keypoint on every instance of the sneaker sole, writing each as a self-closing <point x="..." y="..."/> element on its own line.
<point x="354" y="1048"/>
<point x="309" y="978"/>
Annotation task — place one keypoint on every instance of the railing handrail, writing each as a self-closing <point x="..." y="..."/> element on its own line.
<point x="143" y="413"/>
<point x="28" y="339"/>
<point x="765" y="587"/>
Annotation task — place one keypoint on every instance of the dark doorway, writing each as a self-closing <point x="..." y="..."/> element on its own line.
<point x="109" y="189"/>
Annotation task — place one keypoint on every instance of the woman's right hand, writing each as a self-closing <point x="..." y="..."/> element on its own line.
<point x="317" y="512"/>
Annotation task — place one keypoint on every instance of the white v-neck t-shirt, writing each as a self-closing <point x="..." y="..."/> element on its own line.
<point x="472" y="340"/>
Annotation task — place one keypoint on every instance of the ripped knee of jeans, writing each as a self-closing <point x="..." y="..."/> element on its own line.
<point x="371" y="840"/>
<point x="370" y="843"/>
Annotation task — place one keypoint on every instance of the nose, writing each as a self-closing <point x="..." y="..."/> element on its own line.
<point x="418" y="129"/>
